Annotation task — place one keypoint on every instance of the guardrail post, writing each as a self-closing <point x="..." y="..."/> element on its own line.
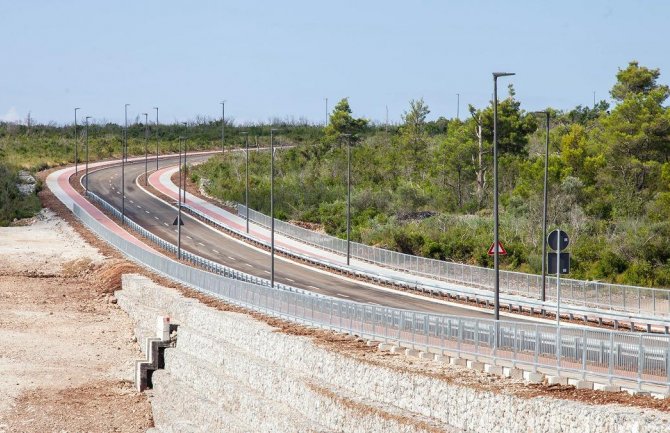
<point x="514" y="343"/>
<point x="538" y="342"/>
<point x="640" y="363"/>
<point x="584" y="355"/>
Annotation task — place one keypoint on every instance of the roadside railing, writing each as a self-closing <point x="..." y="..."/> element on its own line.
<point x="187" y="256"/>
<point x="633" y="299"/>
<point x="639" y="359"/>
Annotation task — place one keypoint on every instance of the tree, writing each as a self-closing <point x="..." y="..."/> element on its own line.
<point x="413" y="135"/>
<point x="342" y="122"/>
<point x="636" y="80"/>
<point x="639" y="126"/>
<point x="514" y="125"/>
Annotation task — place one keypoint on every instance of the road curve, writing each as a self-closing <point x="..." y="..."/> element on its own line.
<point x="158" y="217"/>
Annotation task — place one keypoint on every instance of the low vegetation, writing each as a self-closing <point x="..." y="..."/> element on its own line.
<point x="425" y="187"/>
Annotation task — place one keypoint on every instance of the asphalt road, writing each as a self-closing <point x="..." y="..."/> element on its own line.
<point x="157" y="217"/>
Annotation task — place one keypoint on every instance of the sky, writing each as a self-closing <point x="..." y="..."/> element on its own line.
<point x="281" y="59"/>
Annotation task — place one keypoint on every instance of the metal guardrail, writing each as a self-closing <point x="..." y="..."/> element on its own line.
<point x="643" y="359"/>
<point x="632" y="299"/>
<point x="189" y="257"/>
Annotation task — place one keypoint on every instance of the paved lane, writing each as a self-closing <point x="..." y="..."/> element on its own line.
<point x="157" y="217"/>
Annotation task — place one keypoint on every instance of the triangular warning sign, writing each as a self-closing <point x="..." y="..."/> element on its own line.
<point x="501" y="249"/>
<point x="178" y="220"/>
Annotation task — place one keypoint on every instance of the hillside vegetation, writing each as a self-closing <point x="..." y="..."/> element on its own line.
<point x="425" y="187"/>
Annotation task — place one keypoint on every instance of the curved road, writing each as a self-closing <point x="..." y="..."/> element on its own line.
<point x="157" y="217"/>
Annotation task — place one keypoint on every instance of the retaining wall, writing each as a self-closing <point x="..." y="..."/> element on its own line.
<point x="230" y="372"/>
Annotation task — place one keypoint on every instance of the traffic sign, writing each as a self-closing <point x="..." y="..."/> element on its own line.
<point x="565" y="263"/>
<point x="178" y="220"/>
<point x="501" y="249"/>
<point x="558" y="239"/>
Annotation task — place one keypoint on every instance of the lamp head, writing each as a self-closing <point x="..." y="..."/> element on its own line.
<point x="502" y="74"/>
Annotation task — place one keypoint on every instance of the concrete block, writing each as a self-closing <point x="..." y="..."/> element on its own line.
<point x="460" y="362"/>
<point x="606" y="388"/>
<point x="427" y="355"/>
<point x="533" y="377"/>
<point x="384" y="347"/>
<point x="371" y="343"/>
<point x="475" y="365"/>
<point x="163" y="328"/>
<point x="441" y="358"/>
<point x="642" y="393"/>
<point x="584" y="384"/>
<point x="493" y="369"/>
<point x="515" y="373"/>
<point x="412" y="353"/>
<point x="398" y="349"/>
<point x="557" y="380"/>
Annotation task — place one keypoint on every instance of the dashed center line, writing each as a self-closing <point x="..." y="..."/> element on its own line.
<point x="132" y="202"/>
<point x="232" y="258"/>
<point x="314" y="287"/>
<point x="215" y="251"/>
<point x="147" y="211"/>
<point x="189" y="237"/>
<point x="290" y="280"/>
<point x="344" y="296"/>
<point x="156" y="217"/>
<point x="201" y="244"/>
<point x="267" y="272"/>
<point x="251" y="266"/>
<point x="166" y="224"/>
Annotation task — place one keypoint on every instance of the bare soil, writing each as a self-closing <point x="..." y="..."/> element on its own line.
<point x="68" y="351"/>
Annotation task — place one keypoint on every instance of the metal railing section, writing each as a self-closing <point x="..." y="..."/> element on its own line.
<point x="643" y="359"/>
<point x="633" y="299"/>
<point x="187" y="256"/>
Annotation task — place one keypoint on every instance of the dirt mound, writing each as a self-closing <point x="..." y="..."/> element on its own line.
<point x="108" y="276"/>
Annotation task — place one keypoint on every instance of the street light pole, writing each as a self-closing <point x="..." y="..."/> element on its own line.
<point x="272" y="207"/>
<point x="543" y="293"/>
<point x="179" y="204"/>
<point x="186" y="126"/>
<point x="223" y="124"/>
<point x="76" y="155"/>
<point x="496" y="239"/>
<point x="156" y="108"/>
<point x="86" y="183"/>
<point x="146" y="143"/>
<point x="124" y="155"/>
<point x="348" y="136"/>
<point x="246" y="189"/>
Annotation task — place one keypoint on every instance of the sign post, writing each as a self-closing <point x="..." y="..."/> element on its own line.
<point x="558" y="240"/>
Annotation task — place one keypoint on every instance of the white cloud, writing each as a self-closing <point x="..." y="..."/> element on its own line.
<point x="10" y="116"/>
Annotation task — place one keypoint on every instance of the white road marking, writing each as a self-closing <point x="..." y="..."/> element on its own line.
<point x="189" y="237"/>
<point x="132" y="202"/>
<point x="201" y="244"/>
<point x="251" y="266"/>
<point x="147" y="211"/>
<point x="340" y="294"/>
<point x="232" y="258"/>
<point x="166" y="224"/>
<point x="314" y="287"/>
<point x="267" y="272"/>
<point x="118" y="192"/>
<point x="156" y="217"/>
<point x="288" y="279"/>
<point x="215" y="251"/>
<point x="139" y="207"/>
